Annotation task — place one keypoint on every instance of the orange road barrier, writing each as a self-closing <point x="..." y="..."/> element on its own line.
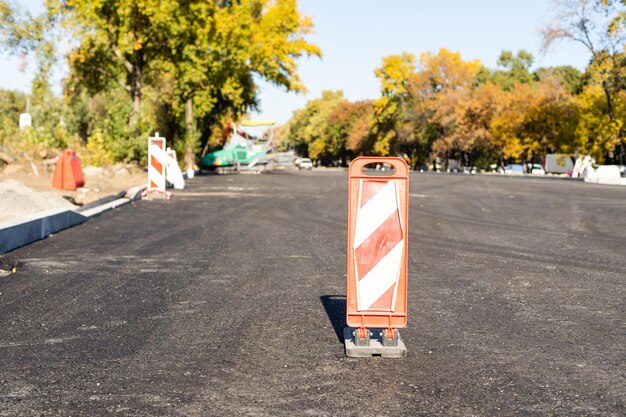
<point x="171" y="153"/>
<point x="377" y="247"/>
<point x="68" y="173"/>
<point x="156" y="168"/>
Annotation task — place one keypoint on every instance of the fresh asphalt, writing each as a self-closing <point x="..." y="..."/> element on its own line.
<point x="228" y="300"/>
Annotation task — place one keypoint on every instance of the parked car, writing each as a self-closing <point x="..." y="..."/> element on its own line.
<point x="305" y="163"/>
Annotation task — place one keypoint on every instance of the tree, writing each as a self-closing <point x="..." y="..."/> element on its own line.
<point x="473" y="118"/>
<point x="390" y="110"/>
<point x="202" y="54"/>
<point x="21" y="34"/>
<point x="516" y="69"/>
<point x="221" y="46"/>
<point x="550" y="124"/>
<point x="447" y="70"/>
<point x="417" y="102"/>
<point x="451" y="82"/>
<point x="306" y="129"/>
<point x="118" y="41"/>
<point x="26" y="35"/>
<point x="348" y="129"/>
<point x="598" y="25"/>
<point x="533" y="120"/>
<point x="566" y="76"/>
<point x="596" y="135"/>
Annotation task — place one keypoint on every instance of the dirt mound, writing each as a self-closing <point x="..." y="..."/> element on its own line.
<point x="99" y="181"/>
<point x="18" y="201"/>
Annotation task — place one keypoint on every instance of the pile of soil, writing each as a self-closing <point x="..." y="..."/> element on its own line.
<point x="99" y="181"/>
<point x="19" y="201"/>
<point x="26" y="188"/>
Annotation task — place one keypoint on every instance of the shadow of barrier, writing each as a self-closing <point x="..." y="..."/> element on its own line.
<point x="335" y="306"/>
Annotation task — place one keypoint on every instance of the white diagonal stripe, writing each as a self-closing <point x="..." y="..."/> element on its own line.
<point x="382" y="276"/>
<point x="154" y="174"/>
<point x="374" y="213"/>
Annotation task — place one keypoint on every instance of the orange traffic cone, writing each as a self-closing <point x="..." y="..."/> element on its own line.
<point x="68" y="174"/>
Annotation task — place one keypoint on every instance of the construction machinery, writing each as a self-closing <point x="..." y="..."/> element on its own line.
<point x="243" y="152"/>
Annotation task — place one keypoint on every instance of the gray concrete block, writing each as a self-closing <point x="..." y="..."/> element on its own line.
<point x="134" y="193"/>
<point x="375" y="347"/>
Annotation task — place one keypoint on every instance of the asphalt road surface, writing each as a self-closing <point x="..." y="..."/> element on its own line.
<point x="228" y="300"/>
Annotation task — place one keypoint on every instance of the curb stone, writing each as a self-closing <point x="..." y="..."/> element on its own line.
<point x="17" y="234"/>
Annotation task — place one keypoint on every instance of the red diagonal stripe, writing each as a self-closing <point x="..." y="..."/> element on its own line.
<point x="378" y="244"/>
<point x="156" y="164"/>
<point x="369" y="190"/>
<point x="385" y="300"/>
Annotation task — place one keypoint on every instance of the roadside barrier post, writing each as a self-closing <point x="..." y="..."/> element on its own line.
<point x="156" y="167"/>
<point x="173" y="174"/>
<point x="376" y="302"/>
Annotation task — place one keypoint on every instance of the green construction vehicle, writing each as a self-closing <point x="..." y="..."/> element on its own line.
<point x="243" y="153"/>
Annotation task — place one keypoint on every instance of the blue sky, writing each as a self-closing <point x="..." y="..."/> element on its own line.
<point x="355" y="34"/>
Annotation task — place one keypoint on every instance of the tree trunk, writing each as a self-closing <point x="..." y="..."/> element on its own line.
<point x="609" y="101"/>
<point x="190" y="134"/>
<point x="135" y="92"/>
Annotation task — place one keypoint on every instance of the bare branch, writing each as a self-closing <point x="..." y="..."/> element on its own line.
<point x="591" y="23"/>
<point x="129" y="67"/>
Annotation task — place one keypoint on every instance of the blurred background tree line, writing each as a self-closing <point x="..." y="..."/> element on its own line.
<point x="438" y="106"/>
<point x="184" y="68"/>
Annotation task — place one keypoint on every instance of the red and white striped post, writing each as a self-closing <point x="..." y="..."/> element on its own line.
<point x="156" y="167"/>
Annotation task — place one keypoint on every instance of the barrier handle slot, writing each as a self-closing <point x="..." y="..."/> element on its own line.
<point x="400" y="167"/>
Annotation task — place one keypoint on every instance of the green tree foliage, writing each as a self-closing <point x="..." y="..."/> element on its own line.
<point x="119" y="41"/>
<point x="185" y="66"/>
<point x="188" y="67"/>
<point x="220" y="48"/>
<point x="101" y="123"/>
<point x="12" y="104"/>
<point x="515" y="69"/>
<point x="390" y="110"/>
<point x="26" y="35"/>
<point x="306" y="131"/>
<point x="23" y="34"/>
<point x="600" y="26"/>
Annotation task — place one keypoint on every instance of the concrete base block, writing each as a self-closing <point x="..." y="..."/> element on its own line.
<point x="134" y="193"/>
<point x="375" y="347"/>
